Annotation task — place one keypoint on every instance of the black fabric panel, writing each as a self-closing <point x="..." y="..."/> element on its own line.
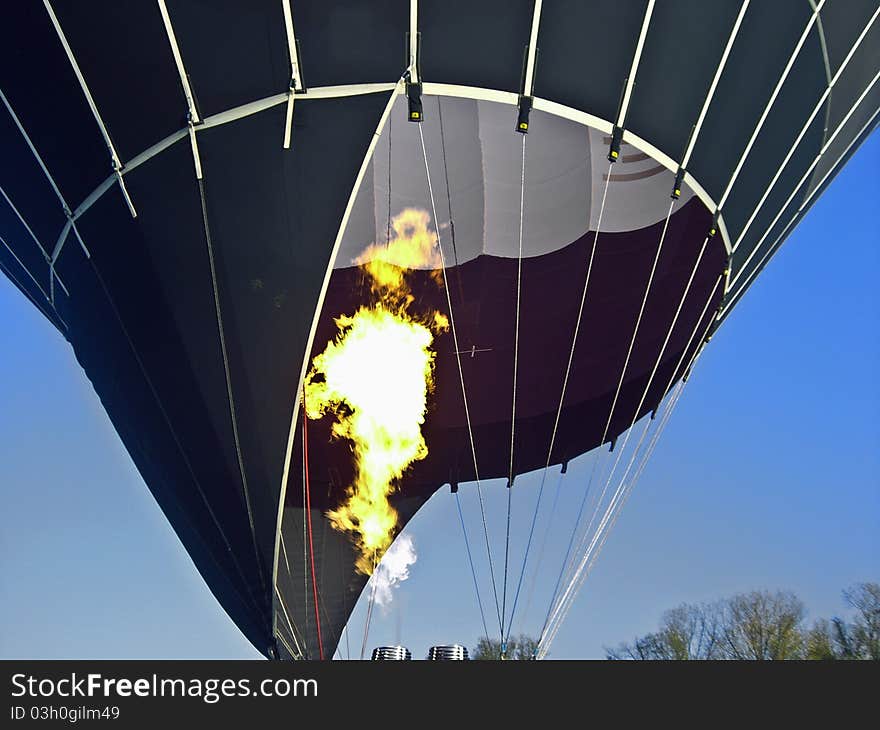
<point x="761" y="247"/>
<point x="21" y="281"/>
<point x="126" y="340"/>
<point x="40" y="84"/>
<point x="860" y="117"/>
<point x="170" y="224"/>
<point x="782" y="195"/>
<point x="351" y="41"/>
<point x="156" y="268"/>
<point x="796" y="101"/>
<point x="859" y="72"/>
<point x="124" y="54"/>
<point x="31" y="193"/>
<point x="745" y="88"/>
<point x="841" y="24"/>
<point x="274" y="216"/>
<point x="682" y="51"/>
<point x="234" y="52"/>
<point x="586" y="50"/>
<point x="761" y="258"/>
<point x="475" y="44"/>
<point x="15" y="235"/>
<point x="743" y="202"/>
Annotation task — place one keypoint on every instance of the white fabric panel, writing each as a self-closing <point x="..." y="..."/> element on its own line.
<point x="565" y="174"/>
<point x="639" y="190"/>
<point x="557" y="184"/>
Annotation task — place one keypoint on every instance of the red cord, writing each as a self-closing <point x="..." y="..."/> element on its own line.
<point x="309" y="521"/>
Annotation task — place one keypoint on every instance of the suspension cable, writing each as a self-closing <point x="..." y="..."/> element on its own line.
<point x="616" y="396"/>
<point x="540" y="561"/>
<point x="632" y="341"/>
<point x="560" y="613"/>
<point x="227" y="372"/>
<point x="560" y="610"/>
<point x="510" y="474"/>
<point x="650" y="382"/>
<point x="309" y="524"/>
<point x="675" y="371"/>
<point x="470" y="557"/>
<point x="563" y="570"/>
<point x="544" y="646"/>
<point x="370" y="603"/>
<point x="305" y="513"/>
<point x="461" y="376"/>
<point x="565" y="378"/>
<point x="616" y="503"/>
<point x="294" y="629"/>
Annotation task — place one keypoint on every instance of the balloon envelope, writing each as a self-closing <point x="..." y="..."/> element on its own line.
<point x="196" y="319"/>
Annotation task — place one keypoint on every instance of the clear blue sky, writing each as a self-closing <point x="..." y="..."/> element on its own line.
<point x="768" y="476"/>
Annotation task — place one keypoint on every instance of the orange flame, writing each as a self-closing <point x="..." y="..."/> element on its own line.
<point x="375" y="377"/>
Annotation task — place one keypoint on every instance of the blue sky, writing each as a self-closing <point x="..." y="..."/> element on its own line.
<point x="768" y="476"/>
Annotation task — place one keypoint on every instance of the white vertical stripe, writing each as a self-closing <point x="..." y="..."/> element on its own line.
<point x="82" y="82"/>
<point x="197" y="160"/>
<point x="800" y="210"/>
<point x="117" y="163"/>
<point x="295" y="80"/>
<point x="25" y="224"/>
<point x="178" y="60"/>
<point x="721" y="64"/>
<point x="414" y="40"/>
<point x="291" y="45"/>
<point x="804" y="177"/>
<point x="288" y="119"/>
<point x="805" y="128"/>
<point x="771" y="102"/>
<point x="631" y="79"/>
<point x="528" y="86"/>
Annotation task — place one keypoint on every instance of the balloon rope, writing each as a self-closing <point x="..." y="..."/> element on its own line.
<point x="370" y="603"/>
<point x="467" y="414"/>
<point x="552" y="625"/>
<point x="530" y="593"/>
<point x="615" y="399"/>
<point x="659" y="358"/>
<point x="560" y="610"/>
<point x="305" y="514"/>
<point x="635" y="333"/>
<point x="298" y="654"/>
<point x="510" y="474"/>
<point x="563" y="567"/>
<point x="309" y="523"/>
<point x="290" y="623"/>
<point x="570" y="571"/>
<point x="233" y="418"/>
<point x="470" y="557"/>
<point x="574" y="339"/>
<point x="449" y="199"/>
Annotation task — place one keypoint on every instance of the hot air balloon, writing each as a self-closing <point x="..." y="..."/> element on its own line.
<point x="189" y="189"/>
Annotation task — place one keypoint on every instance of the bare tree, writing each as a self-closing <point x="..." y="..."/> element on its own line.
<point x="864" y="632"/>
<point x="689" y="631"/>
<point x="820" y="642"/>
<point x="763" y="625"/>
<point x="518" y="647"/>
<point x="840" y="639"/>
